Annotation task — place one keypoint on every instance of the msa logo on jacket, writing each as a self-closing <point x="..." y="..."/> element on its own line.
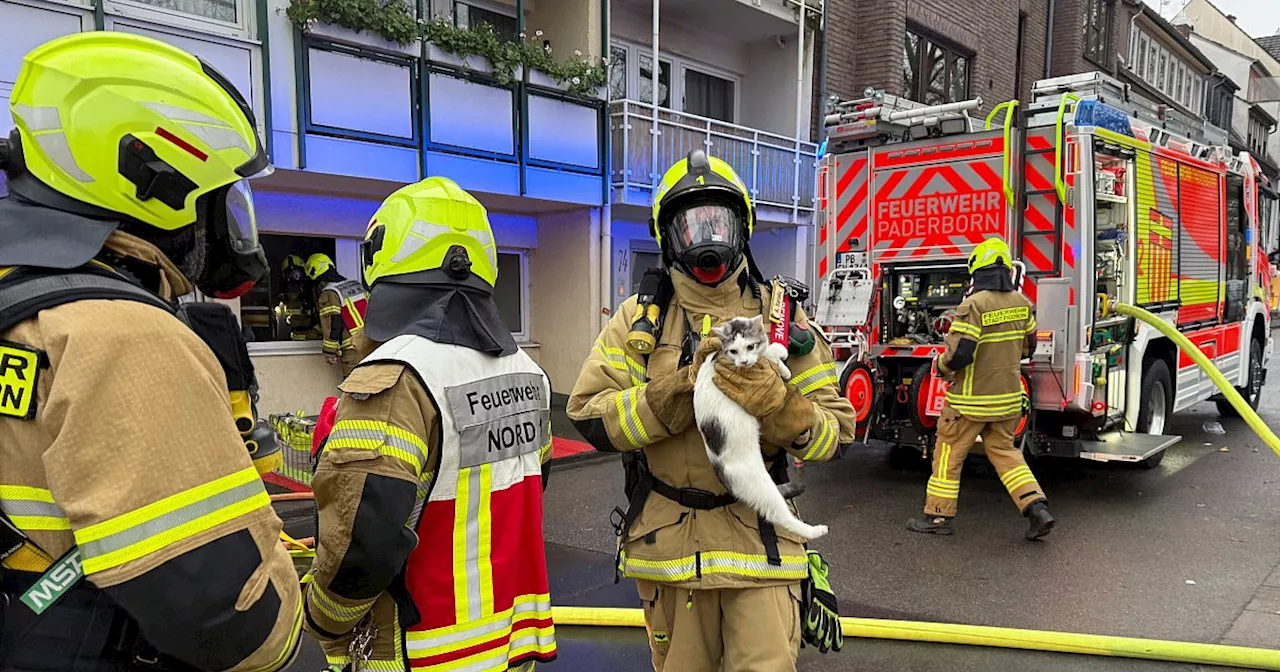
<point x="499" y="418"/>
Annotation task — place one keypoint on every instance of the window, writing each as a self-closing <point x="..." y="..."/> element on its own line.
<point x="708" y="95"/>
<point x="468" y="15"/>
<point x="617" y="72"/>
<point x="645" y="83"/>
<point x="1140" y="62"/>
<point x="933" y="73"/>
<point x="1097" y="31"/>
<point x="1257" y="136"/>
<point x="511" y="292"/>
<point x="1160" y="79"/>
<point x="683" y="84"/>
<point x="218" y="10"/>
<point x="280" y="309"/>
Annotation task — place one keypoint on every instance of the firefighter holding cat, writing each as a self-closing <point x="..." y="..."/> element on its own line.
<point x="993" y="330"/>
<point x="719" y="586"/>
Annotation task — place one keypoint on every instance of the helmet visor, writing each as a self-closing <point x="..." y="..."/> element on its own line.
<point x="706" y="224"/>
<point x="242" y="225"/>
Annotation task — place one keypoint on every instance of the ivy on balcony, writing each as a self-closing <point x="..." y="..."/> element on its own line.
<point x="394" y="21"/>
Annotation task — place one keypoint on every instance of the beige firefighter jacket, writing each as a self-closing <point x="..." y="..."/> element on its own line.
<point x="669" y="543"/>
<point x="1001" y="327"/>
<point x="336" y="337"/>
<point x="132" y="455"/>
<point x="356" y="476"/>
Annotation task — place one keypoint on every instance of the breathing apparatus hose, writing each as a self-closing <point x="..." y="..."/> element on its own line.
<point x="1036" y="640"/>
<point x="1228" y="390"/>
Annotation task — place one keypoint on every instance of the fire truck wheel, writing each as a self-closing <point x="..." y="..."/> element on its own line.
<point x="1252" y="391"/>
<point x="1157" y="398"/>
<point x="857" y="383"/>
<point x="917" y="399"/>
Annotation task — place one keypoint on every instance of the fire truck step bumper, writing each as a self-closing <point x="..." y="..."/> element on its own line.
<point x="1112" y="446"/>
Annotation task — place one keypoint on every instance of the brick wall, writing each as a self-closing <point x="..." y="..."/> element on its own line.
<point x="865" y="39"/>
<point x="1068" y="37"/>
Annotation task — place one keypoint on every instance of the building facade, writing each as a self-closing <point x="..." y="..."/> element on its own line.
<point x="1253" y="68"/>
<point x="937" y="51"/>
<point x="351" y="115"/>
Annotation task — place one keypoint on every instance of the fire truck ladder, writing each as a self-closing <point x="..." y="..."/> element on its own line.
<point x="880" y="118"/>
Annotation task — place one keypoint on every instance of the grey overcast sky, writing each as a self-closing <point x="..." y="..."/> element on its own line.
<point x="1256" y="17"/>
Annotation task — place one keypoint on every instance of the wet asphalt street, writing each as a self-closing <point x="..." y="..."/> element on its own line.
<point x="1180" y="552"/>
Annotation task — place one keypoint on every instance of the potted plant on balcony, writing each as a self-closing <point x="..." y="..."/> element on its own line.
<point x="388" y="26"/>
<point x="476" y="49"/>
<point x="578" y="76"/>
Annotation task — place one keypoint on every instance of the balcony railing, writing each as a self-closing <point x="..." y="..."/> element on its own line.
<point x="778" y="170"/>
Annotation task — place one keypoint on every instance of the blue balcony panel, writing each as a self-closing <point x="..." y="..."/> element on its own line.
<point x="361" y="94"/>
<point x="341" y="156"/>
<point x="474" y="173"/>
<point x="564" y="186"/>
<point x="471" y="116"/>
<point x="564" y="132"/>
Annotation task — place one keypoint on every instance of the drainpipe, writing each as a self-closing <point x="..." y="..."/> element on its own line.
<point x="795" y="184"/>
<point x="1048" y="40"/>
<point x="653" y="130"/>
<point x="602" y="235"/>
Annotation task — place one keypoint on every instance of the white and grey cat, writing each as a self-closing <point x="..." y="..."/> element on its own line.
<point x="732" y="436"/>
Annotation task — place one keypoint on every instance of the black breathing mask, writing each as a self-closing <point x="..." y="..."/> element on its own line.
<point x="234" y="260"/>
<point x="705" y="241"/>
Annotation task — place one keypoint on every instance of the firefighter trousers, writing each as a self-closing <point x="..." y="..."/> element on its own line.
<point x="956" y="436"/>
<point x="737" y="630"/>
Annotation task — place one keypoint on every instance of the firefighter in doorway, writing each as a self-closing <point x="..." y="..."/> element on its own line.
<point x="297" y="308"/>
<point x="993" y="331"/>
<point x="719" y="586"/>
<point x="342" y="306"/>
<point x="135" y="531"/>
<point x="430" y="483"/>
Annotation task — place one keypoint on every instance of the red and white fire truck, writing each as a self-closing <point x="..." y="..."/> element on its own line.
<point x="1098" y="191"/>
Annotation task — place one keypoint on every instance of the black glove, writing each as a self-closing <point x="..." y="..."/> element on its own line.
<point x="821" y="627"/>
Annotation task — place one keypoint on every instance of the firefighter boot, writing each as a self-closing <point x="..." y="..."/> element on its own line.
<point x="928" y="524"/>
<point x="1040" y="518"/>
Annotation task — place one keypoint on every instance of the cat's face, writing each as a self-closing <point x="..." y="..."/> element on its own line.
<point x="742" y="340"/>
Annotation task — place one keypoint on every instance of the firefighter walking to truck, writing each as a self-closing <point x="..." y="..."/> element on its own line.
<point x="430" y="484"/>
<point x="993" y="330"/>
<point x="342" y="306"/>
<point x="135" y="532"/>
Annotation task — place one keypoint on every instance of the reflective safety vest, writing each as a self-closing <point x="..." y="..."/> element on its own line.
<point x="478" y="576"/>
<point x="353" y="298"/>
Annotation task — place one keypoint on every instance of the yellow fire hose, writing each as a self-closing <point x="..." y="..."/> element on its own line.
<point x="1037" y="640"/>
<point x="978" y="635"/>
<point x="1228" y="390"/>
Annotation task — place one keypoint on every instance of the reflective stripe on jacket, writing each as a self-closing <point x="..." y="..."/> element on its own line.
<point x="1002" y="328"/>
